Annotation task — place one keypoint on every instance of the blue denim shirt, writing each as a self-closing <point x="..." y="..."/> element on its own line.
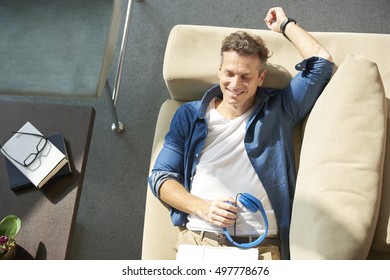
<point x="268" y="140"/>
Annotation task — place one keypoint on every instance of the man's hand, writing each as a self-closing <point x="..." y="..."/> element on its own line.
<point x="303" y="41"/>
<point x="218" y="212"/>
<point x="274" y="18"/>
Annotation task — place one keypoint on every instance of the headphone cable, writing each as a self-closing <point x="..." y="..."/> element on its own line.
<point x="235" y="221"/>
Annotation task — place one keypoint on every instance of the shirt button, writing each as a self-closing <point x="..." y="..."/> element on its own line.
<point x="197" y="155"/>
<point x="300" y="67"/>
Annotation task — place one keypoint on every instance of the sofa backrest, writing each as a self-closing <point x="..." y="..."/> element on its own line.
<point x="192" y="59"/>
<point x="192" y="56"/>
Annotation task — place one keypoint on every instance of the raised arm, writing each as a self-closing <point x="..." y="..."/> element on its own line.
<point x="306" y="44"/>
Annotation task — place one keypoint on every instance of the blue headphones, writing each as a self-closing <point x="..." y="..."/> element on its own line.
<point x="252" y="204"/>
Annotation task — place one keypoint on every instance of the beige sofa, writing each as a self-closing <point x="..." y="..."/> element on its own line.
<point x="342" y="200"/>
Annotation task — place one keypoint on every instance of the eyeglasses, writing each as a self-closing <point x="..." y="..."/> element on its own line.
<point x="32" y="156"/>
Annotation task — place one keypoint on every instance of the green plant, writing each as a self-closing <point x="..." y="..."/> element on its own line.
<point x="9" y="227"/>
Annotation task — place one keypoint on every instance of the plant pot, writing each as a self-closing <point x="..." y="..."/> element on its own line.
<point x="10" y="255"/>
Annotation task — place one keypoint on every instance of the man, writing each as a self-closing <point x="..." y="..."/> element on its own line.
<point x="238" y="139"/>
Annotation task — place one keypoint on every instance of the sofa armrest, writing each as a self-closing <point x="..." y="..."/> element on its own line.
<point x="160" y="236"/>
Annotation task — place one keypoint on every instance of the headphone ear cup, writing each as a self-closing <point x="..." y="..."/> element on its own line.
<point x="250" y="202"/>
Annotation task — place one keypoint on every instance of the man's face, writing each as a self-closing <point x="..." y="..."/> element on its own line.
<point x="239" y="78"/>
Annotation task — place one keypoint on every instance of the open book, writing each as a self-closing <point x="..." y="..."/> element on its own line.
<point x="199" y="252"/>
<point x="47" y="163"/>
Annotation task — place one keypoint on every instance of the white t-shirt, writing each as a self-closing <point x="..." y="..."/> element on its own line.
<point x="224" y="169"/>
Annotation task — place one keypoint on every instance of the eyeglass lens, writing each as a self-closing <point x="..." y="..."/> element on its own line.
<point x="40" y="146"/>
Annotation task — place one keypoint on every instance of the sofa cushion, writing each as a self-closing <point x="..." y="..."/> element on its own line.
<point x="340" y="175"/>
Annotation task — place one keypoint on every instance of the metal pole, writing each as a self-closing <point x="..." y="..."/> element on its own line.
<point x="122" y="53"/>
<point x="117" y="125"/>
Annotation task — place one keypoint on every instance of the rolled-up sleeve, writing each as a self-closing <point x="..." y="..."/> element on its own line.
<point x="157" y="178"/>
<point x="170" y="161"/>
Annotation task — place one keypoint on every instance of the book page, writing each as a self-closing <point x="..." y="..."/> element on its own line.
<point x="199" y="252"/>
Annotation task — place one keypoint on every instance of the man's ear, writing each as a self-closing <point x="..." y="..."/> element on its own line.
<point x="261" y="78"/>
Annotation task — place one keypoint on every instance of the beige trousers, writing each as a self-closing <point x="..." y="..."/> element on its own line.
<point x="267" y="252"/>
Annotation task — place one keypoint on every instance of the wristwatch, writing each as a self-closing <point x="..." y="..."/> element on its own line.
<point x="283" y="25"/>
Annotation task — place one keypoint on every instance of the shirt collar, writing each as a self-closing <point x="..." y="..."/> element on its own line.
<point x="215" y="91"/>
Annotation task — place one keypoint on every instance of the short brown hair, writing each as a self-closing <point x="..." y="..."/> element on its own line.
<point x="247" y="45"/>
